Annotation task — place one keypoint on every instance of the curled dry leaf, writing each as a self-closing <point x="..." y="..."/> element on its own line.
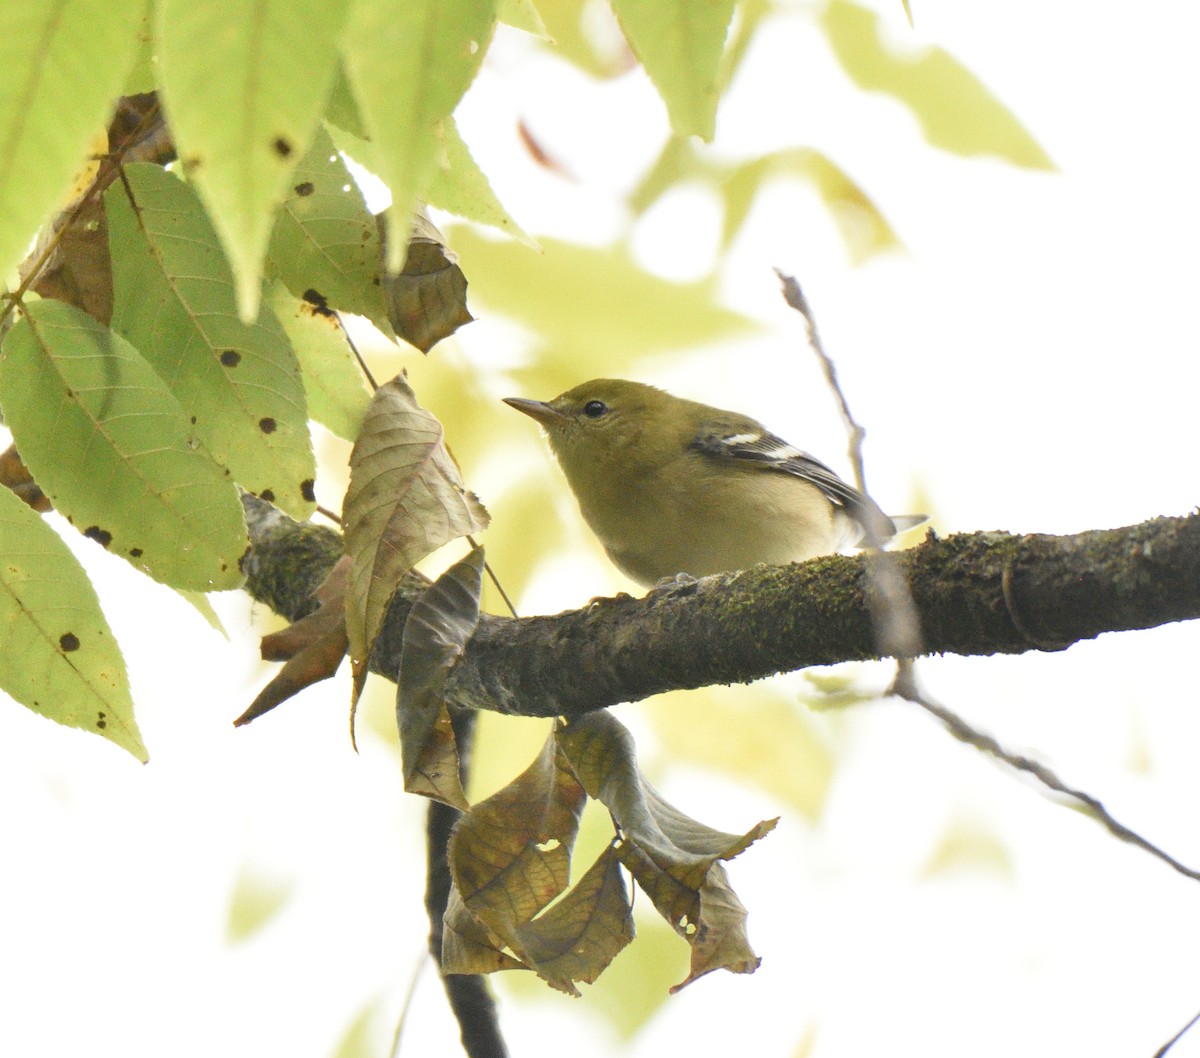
<point x="406" y="499"/>
<point x="674" y="858"/>
<point x="435" y="637"/>
<point x="427" y="300"/>
<point x="313" y="647"/>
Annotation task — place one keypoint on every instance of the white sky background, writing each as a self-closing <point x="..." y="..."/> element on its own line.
<point x="1030" y="362"/>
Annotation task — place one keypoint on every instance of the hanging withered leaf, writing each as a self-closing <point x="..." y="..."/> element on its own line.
<point x="313" y="647"/>
<point x="435" y="637"/>
<point x="406" y="499"/>
<point x="509" y="858"/>
<point x="673" y="858"/>
<point x="427" y="300"/>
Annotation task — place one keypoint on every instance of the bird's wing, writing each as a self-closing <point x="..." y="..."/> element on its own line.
<point x="774" y="453"/>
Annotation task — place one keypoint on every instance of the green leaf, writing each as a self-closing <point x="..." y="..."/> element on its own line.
<point x="62" y="62"/>
<point x="680" y="43"/>
<point x="60" y="657"/>
<point x="174" y="300"/>
<point x="956" y="112"/>
<point x="111" y="447"/>
<point x="325" y="245"/>
<point x="334" y="387"/>
<point x="241" y="123"/>
<point x="594" y="301"/>
<point x="522" y="14"/>
<point x="460" y="187"/>
<point x="409" y="64"/>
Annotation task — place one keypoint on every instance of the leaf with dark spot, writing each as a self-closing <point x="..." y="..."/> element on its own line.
<point x="304" y="189"/>
<point x="68" y="641"/>
<point x="231" y="358"/>
<point x="267" y="425"/>
<point x="102" y="536"/>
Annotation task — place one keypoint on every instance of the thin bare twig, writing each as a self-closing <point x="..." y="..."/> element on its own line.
<point x="1176" y="1038"/>
<point x="906" y="687"/>
<point x="895" y="617"/>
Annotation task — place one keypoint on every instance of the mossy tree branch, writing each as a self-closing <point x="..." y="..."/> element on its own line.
<point x="975" y="593"/>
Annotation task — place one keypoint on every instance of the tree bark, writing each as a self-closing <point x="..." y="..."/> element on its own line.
<point x="975" y="594"/>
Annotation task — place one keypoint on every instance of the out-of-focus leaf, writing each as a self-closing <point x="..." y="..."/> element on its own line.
<point x="405" y="500"/>
<point x="435" y="638"/>
<point x="62" y="62"/>
<point x="595" y="302"/>
<point x="460" y="187"/>
<point x="956" y="112"/>
<point x="244" y="122"/>
<point x="510" y="855"/>
<point x="674" y="859"/>
<point x="342" y="108"/>
<point x="325" y="245"/>
<point x="587" y="35"/>
<point x="679" y="42"/>
<point x="522" y="14"/>
<point x="409" y="65"/>
<point x="970" y="844"/>
<point x="863" y="227"/>
<point x="115" y="453"/>
<point x="334" y="387"/>
<point x="14" y="475"/>
<point x="754" y="736"/>
<point x="427" y="299"/>
<point x="174" y="301"/>
<point x="312" y="647"/>
<point x="254" y="902"/>
<point x="579" y="936"/>
<point x="60" y="656"/>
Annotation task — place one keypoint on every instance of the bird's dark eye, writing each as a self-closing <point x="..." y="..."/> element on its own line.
<point x="593" y="409"/>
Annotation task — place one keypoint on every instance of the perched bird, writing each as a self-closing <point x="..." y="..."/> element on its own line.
<point x="673" y="486"/>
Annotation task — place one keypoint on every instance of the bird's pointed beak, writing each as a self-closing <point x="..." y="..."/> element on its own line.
<point x="535" y="409"/>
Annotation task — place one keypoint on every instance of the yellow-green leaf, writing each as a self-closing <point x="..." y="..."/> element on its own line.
<point x="242" y="123"/>
<point x="522" y="14"/>
<point x="956" y="111"/>
<point x="325" y="246"/>
<point x="680" y="43"/>
<point x="409" y="65"/>
<point x="406" y="499"/>
<point x="174" y="300"/>
<point x="114" y="451"/>
<point x="62" y="63"/>
<point x="334" y="387"/>
<point x="596" y="302"/>
<point x="459" y="186"/>
<point x="60" y="657"/>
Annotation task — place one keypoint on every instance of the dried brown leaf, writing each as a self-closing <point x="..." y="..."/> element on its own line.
<point x="406" y="499"/>
<point x="674" y="858"/>
<point x="510" y="855"/>
<point x="435" y="637"/>
<point x="576" y="938"/>
<point x="468" y="946"/>
<point x="313" y="647"/>
<point x="15" y="475"/>
<point x="427" y="300"/>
